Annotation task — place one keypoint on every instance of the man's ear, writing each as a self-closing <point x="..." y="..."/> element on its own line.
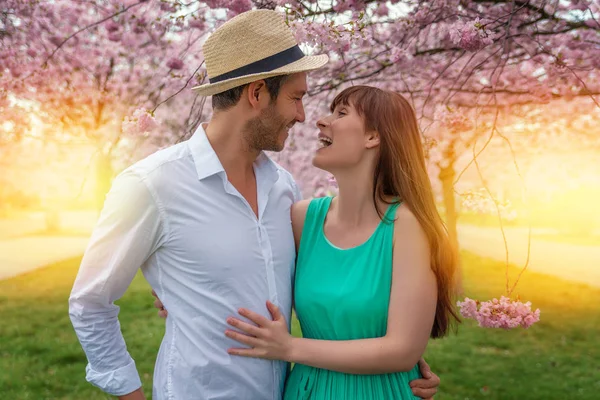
<point x="258" y="95"/>
<point x="372" y="139"/>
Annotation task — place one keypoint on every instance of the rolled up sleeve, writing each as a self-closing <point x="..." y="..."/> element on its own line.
<point x="130" y="229"/>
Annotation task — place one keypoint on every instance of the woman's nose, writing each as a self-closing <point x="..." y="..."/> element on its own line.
<point x="322" y="122"/>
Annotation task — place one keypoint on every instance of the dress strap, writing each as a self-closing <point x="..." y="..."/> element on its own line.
<point x="313" y="222"/>
<point x="390" y="213"/>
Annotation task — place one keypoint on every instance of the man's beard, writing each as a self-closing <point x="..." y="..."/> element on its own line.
<point x="262" y="133"/>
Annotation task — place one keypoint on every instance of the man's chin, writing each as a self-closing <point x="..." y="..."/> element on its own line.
<point x="279" y="148"/>
<point x="275" y="147"/>
<point x="280" y="145"/>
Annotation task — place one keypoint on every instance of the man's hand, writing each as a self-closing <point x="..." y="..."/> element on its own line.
<point x="137" y="395"/>
<point x="162" y="311"/>
<point x="426" y="387"/>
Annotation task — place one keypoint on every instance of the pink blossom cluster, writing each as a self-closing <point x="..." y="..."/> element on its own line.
<point x="237" y="6"/>
<point x="141" y="123"/>
<point x="341" y="6"/>
<point x="330" y="37"/>
<point x="454" y="120"/>
<point x="175" y="63"/>
<point x="332" y="182"/>
<point x="398" y="54"/>
<point x="504" y="313"/>
<point x="470" y="35"/>
<point x="284" y="3"/>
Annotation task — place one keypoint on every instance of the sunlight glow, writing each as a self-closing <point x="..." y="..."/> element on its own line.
<point x="8" y="126"/>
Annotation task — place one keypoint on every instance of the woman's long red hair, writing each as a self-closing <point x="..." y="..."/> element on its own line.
<point x="401" y="173"/>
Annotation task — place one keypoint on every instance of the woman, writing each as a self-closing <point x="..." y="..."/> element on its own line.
<point x="375" y="266"/>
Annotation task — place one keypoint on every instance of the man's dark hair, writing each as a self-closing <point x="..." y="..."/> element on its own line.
<point x="225" y="100"/>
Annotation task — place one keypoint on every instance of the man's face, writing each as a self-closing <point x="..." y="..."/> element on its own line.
<point x="271" y="128"/>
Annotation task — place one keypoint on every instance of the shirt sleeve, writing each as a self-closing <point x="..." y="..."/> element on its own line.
<point x="129" y="230"/>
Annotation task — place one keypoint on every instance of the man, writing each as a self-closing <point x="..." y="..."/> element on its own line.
<point x="208" y="223"/>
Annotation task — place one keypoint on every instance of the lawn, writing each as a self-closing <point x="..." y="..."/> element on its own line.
<point x="557" y="358"/>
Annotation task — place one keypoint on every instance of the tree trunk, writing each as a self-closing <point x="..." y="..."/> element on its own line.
<point x="446" y="177"/>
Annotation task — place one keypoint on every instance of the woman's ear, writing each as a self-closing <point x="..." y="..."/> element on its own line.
<point x="372" y="139"/>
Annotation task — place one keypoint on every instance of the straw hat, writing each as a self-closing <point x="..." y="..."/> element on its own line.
<point x="254" y="45"/>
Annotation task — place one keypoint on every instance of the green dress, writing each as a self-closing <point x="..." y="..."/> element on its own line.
<point x="343" y="294"/>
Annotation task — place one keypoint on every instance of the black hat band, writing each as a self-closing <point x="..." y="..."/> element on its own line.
<point x="265" y="65"/>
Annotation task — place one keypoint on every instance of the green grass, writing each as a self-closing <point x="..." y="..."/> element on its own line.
<point x="557" y="358"/>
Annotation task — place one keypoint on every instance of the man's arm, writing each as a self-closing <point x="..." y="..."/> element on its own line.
<point x="129" y="230"/>
<point x="136" y="395"/>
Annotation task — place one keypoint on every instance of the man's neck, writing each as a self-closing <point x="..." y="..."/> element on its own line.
<point x="224" y="132"/>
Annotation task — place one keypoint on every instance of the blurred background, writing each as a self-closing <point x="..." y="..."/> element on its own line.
<point x="507" y="95"/>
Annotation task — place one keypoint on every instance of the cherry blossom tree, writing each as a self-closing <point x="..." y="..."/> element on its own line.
<point x="118" y="72"/>
<point x="90" y="66"/>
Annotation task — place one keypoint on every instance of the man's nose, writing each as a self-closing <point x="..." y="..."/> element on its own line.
<point x="300" y="115"/>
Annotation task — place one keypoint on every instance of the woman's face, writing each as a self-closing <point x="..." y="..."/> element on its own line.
<point x="343" y="141"/>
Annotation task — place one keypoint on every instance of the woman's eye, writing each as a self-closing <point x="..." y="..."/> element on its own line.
<point x="342" y="112"/>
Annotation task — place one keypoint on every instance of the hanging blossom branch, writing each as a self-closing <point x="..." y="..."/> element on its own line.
<point x="518" y="170"/>
<point x="504" y="313"/>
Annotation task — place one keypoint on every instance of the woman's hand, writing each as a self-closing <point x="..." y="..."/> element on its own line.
<point x="162" y="311"/>
<point x="267" y="339"/>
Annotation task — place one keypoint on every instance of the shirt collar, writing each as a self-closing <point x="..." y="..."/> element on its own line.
<point x="267" y="166"/>
<point x="207" y="162"/>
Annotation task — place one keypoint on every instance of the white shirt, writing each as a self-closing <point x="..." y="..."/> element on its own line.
<point x="205" y="253"/>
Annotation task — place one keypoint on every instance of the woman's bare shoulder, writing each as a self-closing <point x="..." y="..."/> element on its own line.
<point x="299" y="211"/>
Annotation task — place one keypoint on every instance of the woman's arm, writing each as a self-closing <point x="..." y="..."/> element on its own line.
<point x="411" y="314"/>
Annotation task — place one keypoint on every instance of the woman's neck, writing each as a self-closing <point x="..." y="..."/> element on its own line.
<point x="354" y="206"/>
